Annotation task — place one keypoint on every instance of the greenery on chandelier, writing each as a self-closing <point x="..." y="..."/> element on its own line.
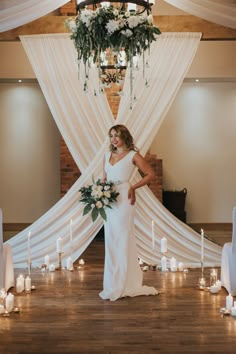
<point x="93" y="31"/>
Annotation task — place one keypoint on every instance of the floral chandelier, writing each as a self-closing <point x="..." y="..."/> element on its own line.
<point x="112" y="37"/>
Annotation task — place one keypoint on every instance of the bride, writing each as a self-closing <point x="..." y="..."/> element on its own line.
<point x="122" y="273"/>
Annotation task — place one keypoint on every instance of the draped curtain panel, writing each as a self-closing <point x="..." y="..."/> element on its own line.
<point x="84" y="119"/>
<point x="222" y="12"/>
<point x="17" y="13"/>
<point x="2" y="268"/>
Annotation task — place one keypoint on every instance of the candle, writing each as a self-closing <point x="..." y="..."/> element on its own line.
<point x="163" y="264"/>
<point x="173" y="266"/>
<point x="218" y="283"/>
<point x="229" y="302"/>
<point x="69" y="263"/>
<point x="153" y="235"/>
<point x="52" y="268"/>
<point x="9" y="302"/>
<point x="81" y="262"/>
<point x="27" y="284"/>
<point x="20" y="283"/>
<point x="214" y="289"/>
<point x="202" y="246"/>
<point x="47" y="261"/>
<point x="59" y="245"/>
<point x="181" y="266"/>
<point x="163" y="245"/>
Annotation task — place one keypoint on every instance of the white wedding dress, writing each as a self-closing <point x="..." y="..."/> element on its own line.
<point x="122" y="273"/>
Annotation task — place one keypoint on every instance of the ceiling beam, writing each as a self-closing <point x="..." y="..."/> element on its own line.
<point x="189" y="23"/>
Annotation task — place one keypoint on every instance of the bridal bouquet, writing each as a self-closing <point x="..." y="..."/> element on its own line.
<point x="97" y="197"/>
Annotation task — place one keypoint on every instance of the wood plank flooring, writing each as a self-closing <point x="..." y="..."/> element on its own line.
<point x="65" y="315"/>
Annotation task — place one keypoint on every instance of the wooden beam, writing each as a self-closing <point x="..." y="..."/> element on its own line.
<point x="55" y="24"/>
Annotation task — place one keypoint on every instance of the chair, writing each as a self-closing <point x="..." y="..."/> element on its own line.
<point x="228" y="262"/>
<point x="6" y="262"/>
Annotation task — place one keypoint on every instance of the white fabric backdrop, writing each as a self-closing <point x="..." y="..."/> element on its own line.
<point x="222" y="12"/>
<point x="17" y="13"/>
<point x="83" y="120"/>
<point x="2" y="268"/>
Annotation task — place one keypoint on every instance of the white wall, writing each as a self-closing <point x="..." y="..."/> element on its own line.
<point x="29" y="154"/>
<point x="197" y="142"/>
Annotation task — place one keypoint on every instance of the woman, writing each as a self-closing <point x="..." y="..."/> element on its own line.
<point x="122" y="273"/>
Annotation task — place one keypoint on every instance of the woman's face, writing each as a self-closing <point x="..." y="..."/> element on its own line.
<point x="115" y="139"/>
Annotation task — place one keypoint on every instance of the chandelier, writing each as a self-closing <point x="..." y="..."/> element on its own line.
<point x="112" y="36"/>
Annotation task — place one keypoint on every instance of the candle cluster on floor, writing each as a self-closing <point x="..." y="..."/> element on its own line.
<point x="166" y="263"/>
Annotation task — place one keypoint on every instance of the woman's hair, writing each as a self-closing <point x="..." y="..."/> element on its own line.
<point x="124" y="135"/>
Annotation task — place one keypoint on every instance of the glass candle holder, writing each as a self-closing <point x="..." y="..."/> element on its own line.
<point x="213" y="276"/>
<point x="202" y="283"/>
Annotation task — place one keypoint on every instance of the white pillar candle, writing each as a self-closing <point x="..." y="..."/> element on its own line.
<point x="163" y="245"/>
<point x="229" y="302"/>
<point x="9" y="302"/>
<point x="20" y="283"/>
<point x="181" y="266"/>
<point x="27" y="284"/>
<point x="69" y="263"/>
<point x="202" y="246"/>
<point x="163" y="264"/>
<point x="52" y="268"/>
<point x="173" y="266"/>
<point x="218" y="284"/>
<point x="59" y="245"/>
<point x="47" y="260"/>
<point x="153" y="235"/>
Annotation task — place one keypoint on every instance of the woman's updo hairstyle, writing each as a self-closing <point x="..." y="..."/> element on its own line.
<point x="124" y="135"/>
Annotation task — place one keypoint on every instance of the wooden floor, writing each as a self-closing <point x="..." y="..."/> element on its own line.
<point x="65" y="315"/>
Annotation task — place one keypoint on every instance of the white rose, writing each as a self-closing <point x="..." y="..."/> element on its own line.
<point x="133" y="21"/>
<point x="107" y="194"/>
<point x="106" y="188"/>
<point x="112" y="26"/>
<point x="99" y="205"/>
<point x="100" y="194"/>
<point x="127" y="33"/>
<point x="115" y="12"/>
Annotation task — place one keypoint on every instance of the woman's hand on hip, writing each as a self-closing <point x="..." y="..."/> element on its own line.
<point x="131" y="196"/>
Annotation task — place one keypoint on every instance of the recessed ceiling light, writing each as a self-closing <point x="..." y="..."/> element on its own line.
<point x="19" y="80"/>
<point x="196" y="80"/>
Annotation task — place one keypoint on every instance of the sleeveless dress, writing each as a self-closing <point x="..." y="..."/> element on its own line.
<point x="122" y="273"/>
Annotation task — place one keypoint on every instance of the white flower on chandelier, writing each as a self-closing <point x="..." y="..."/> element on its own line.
<point x="112" y="26"/>
<point x="133" y="21"/>
<point x="86" y="17"/>
<point x="127" y="33"/>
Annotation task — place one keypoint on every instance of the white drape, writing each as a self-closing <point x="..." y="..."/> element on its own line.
<point x="222" y="12"/>
<point x="83" y="120"/>
<point x="2" y="272"/>
<point x="17" y="13"/>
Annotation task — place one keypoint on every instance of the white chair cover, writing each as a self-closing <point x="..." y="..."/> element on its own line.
<point x="228" y="261"/>
<point x="6" y="262"/>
